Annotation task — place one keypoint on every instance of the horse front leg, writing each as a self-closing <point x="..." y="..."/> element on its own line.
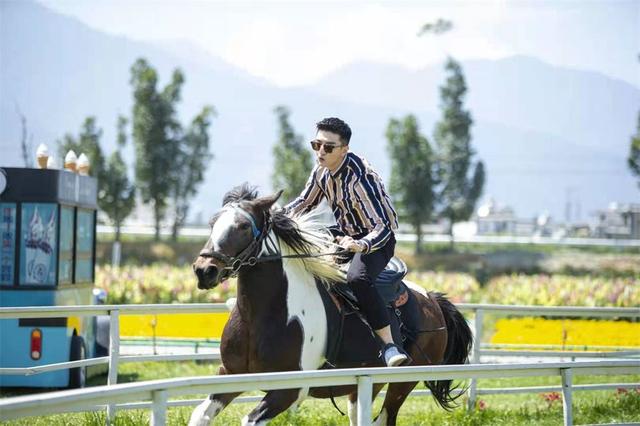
<point x="273" y="403"/>
<point x="204" y="413"/>
<point x="397" y="393"/>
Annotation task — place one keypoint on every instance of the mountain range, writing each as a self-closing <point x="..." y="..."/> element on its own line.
<point x="548" y="135"/>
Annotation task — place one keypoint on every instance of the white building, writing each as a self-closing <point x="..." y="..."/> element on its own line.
<point x="618" y="221"/>
<point x="495" y="219"/>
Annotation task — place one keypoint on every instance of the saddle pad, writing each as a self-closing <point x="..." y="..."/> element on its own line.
<point x="389" y="283"/>
<point x="393" y="272"/>
<point x="389" y="280"/>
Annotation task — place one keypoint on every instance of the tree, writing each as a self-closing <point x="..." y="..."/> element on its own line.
<point x="156" y="136"/>
<point x="634" y="153"/>
<point x="458" y="191"/>
<point x="292" y="161"/>
<point x="412" y="179"/>
<point x="117" y="193"/>
<point x="191" y="161"/>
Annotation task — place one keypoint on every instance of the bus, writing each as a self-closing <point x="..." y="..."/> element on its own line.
<point x="47" y="249"/>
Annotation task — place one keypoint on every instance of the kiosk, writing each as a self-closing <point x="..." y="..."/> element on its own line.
<point x="47" y="258"/>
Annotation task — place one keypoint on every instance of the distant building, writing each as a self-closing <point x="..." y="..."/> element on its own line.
<point x="493" y="219"/>
<point x="618" y="221"/>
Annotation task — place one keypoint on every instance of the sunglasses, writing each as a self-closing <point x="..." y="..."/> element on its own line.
<point x="328" y="148"/>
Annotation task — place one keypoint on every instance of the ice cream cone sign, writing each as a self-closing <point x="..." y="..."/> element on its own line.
<point x="42" y="156"/>
<point x="70" y="161"/>
<point x="83" y="165"/>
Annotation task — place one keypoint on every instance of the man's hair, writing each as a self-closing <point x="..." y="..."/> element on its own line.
<point x="337" y="126"/>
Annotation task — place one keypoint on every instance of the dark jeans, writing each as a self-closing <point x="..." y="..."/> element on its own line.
<point x="362" y="275"/>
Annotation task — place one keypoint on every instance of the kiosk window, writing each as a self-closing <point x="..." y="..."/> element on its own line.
<point x="65" y="267"/>
<point x="39" y="224"/>
<point x="7" y="243"/>
<point x="84" y="245"/>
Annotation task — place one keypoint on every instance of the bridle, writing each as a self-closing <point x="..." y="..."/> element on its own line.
<point x="250" y="256"/>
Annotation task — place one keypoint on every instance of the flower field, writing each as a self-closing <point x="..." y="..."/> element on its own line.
<point x="157" y="284"/>
<point x="163" y="283"/>
<point x="540" y="331"/>
<point x="540" y="289"/>
<point x="563" y="290"/>
<point x="459" y="287"/>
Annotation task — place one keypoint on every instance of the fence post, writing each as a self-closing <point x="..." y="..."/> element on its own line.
<point x="365" y="392"/>
<point x="567" y="396"/>
<point x="475" y="357"/>
<point x="159" y="408"/>
<point x="114" y="354"/>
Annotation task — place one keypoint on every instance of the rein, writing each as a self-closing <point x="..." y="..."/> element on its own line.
<point x="250" y="256"/>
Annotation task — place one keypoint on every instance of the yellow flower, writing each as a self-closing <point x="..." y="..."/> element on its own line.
<point x="566" y="332"/>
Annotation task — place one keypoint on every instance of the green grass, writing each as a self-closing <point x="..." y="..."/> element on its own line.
<point x="521" y="409"/>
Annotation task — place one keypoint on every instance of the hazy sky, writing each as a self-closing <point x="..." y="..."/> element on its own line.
<point x="295" y="43"/>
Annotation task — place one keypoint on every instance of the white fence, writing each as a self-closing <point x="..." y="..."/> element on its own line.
<point x="204" y="231"/>
<point x="114" y="358"/>
<point x="158" y="391"/>
<point x="548" y="311"/>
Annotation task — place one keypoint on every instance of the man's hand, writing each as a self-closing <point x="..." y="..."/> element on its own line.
<point x="350" y="244"/>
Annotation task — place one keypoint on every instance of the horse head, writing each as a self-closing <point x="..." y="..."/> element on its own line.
<point x="237" y="231"/>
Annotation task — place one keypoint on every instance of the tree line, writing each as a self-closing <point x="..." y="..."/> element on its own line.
<point x="428" y="180"/>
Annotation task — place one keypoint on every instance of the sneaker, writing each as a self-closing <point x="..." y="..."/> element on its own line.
<point x="393" y="356"/>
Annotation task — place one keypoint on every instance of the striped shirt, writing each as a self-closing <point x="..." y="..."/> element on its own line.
<point x="357" y="197"/>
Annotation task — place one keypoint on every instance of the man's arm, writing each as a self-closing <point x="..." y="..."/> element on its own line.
<point x="377" y="208"/>
<point x="309" y="198"/>
<point x="375" y="239"/>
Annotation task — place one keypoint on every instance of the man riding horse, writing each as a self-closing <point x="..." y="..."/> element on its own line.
<point x="287" y="316"/>
<point x="365" y="220"/>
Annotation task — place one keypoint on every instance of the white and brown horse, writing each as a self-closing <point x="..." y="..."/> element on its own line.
<point x="279" y="322"/>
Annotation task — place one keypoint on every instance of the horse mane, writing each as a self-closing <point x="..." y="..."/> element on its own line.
<point x="299" y="235"/>
<point x="243" y="192"/>
<point x="305" y="235"/>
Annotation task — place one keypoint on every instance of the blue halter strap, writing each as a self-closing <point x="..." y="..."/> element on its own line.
<point x="254" y="227"/>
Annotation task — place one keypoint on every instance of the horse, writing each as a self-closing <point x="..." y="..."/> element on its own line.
<point x="279" y="321"/>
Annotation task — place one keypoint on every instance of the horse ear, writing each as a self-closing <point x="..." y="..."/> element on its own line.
<point x="265" y="203"/>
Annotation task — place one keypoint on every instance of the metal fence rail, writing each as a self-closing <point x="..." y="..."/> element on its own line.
<point x="556" y="311"/>
<point x="114" y="311"/>
<point x="115" y="358"/>
<point x="383" y="394"/>
<point x="479" y="311"/>
<point x="61" y="311"/>
<point x="158" y="391"/>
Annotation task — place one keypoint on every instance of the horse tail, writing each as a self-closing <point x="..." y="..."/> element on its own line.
<point x="459" y="342"/>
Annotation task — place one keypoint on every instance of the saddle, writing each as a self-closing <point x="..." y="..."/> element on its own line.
<point x="347" y="318"/>
<point x="389" y="285"/>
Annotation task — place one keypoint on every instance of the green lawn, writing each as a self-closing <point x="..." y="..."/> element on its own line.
<point x="523" y="409"/>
